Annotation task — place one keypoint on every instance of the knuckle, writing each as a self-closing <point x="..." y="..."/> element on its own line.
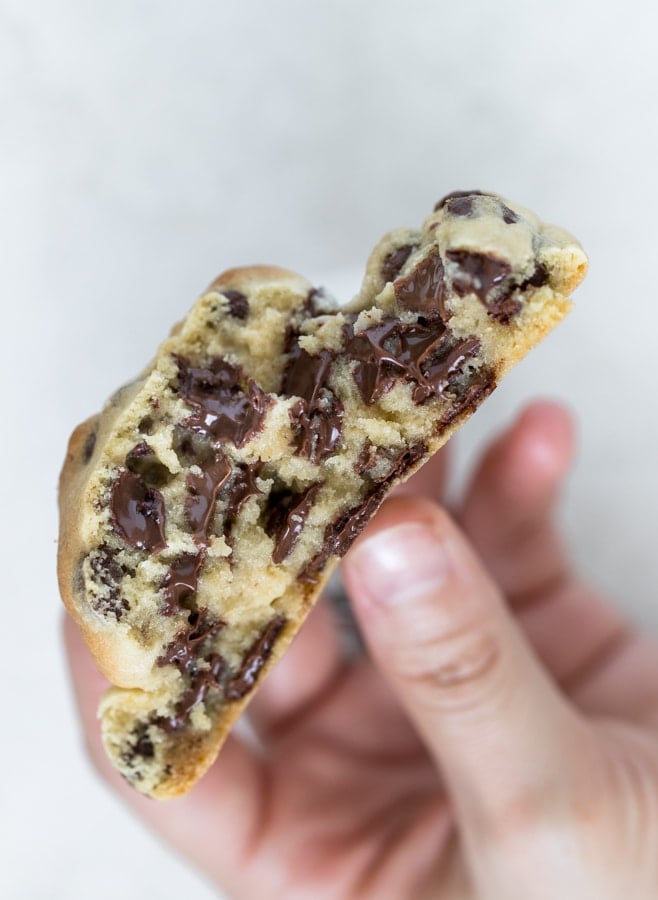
<point x="451" y="669"/>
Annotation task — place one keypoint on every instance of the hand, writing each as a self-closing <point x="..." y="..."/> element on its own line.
<point x="501" y="741"/>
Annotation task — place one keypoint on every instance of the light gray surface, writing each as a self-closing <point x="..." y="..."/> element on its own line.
<point x="144" y="148"/>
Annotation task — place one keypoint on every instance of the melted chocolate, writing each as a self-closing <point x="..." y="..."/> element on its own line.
<point x="394" y="262"/>
<point x="201" y="681"/>
<point x="224" y="410"/>
<point x="242" y="486"/>
<point x="340" y="534"/>
<point x="425" y="354"/>
<point x="254" y="660"/>
<point x="201" y="499"/>
<point x="456" y="196"/>
<point x="287" y="519"/>
<point x="479" y="385"/>
<point x="238" y="304"/>
<point x="183" y="651"/>
<point x="138" y="513"/>
<point x="423" y="290"/>
<point x="318" y="416"/>
<point x="179" y="585"/>
<point x="477" y="273"/>
<point x="538" y="278"/>
<point x="142" y="460"/>
<point x="385" y="463"/>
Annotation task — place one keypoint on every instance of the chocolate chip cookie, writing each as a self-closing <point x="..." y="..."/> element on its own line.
<point x="204" y="508"/>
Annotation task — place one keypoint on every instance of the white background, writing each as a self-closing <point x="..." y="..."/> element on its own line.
<point x="145" y="146"/>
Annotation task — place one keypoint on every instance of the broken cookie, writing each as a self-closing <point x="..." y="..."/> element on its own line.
<point x="205" y="507"/>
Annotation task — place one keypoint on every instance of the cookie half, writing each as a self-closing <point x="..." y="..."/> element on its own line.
<point x="204" y="508"/>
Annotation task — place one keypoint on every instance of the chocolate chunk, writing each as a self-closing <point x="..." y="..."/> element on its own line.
<point x="138" y="513"/>
<point x="254" y="660"/>
<point x="318" y="416"/>
<point x="425" y="354"/>
<point x="394" y="262"/>
<point x="241" y="486"/>
<point x="423" y="289"/>
<point x="306" y="375"/>
<point x="108" y="574"/>
<point x="385" y="463"/>
<point x="88" y="449"/>
<point x="145" y="425"/>
<point x="509" y="216"/>
<point x="179" y="585"/>
<point x="193" y="448"/>
<point x="504" y="308"/>
<point x="225" y="411"/>
<point x="183" y="651"/>
<point x="142" y="460"/>
<point x="141" y="745"/>
<point x="477" y="273"/>
<point x="340" y="534"/>
<point x="201" y="681"/>
<point x="317" y="302"/>
<point x="287" y="518"/>
<point x="238" y="304"/>
<point x="471" y="392"/>
<point x="456" y="196"/>
<point x="538" y="278"/>
<point x="201" y="499"/>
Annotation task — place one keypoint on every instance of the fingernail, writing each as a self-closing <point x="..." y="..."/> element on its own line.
<point x="400" y="563"/>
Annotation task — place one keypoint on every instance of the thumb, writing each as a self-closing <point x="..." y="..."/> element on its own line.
<point x="438" y="629"/>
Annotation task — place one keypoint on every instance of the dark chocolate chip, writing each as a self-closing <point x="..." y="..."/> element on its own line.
<point x="241" y="486"/>
<point x="88" y="449"/>
<point x="238" y="304"/>
<point x="138" y="513"/>
<point x="509" y="216"/>
<point x="180" y="584"/>
<point x="458" y="195"/>
<point x="288" y="512"/>
<point x="184" y="651"/>
<point x="224" y="410"/>
<point x="340" y="534"/>
<point x="108" y="573"/>
<point x="146" y="425"/>
<point x="202" y="680"/>
<point x="538" y="278"/>
<point x="140" y="746"/>
<point x="394" y="262"/>
<point x="425" y="354"/>
<point x="423" y="289"/>
<point x="203" y="489"/>
<point x="142" y="460"/>
<point x="384" y="463"/>
<point x="254" y="660"/>
<point x="318" y="416"/>
<point x="477" y="273"/>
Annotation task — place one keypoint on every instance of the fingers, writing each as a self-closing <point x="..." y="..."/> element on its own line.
<point x="303" y="676"/>
<point x="509" y="505"/>
<point x="437" y="627"/>
<point x="216" y="823"/>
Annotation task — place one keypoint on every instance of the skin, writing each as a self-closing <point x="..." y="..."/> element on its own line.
<point x="499" y="740"/>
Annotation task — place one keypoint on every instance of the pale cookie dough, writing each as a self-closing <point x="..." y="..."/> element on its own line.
<point x="203" y="509"/>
